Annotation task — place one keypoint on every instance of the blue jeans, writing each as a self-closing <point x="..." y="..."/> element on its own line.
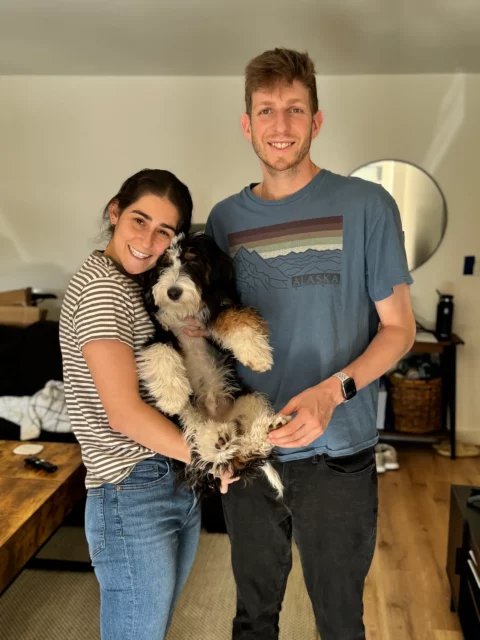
<point x="142" y="536"/>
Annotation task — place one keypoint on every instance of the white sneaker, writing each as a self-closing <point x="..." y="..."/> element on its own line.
<point x="379" y="461"/>
<point x="389" y="456"/>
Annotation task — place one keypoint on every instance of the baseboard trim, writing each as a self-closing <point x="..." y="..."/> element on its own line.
<point x="470" y="436"/>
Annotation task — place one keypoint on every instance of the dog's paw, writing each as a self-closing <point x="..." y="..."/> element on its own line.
<point x="279" y="421"/>
<point x="253" y="350"/>
<point x="243" y="332"/>
<point x="217" y="442"/>
<point x="223" y="441"/>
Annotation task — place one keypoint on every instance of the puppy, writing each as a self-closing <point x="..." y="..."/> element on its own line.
<point x="225" y="423"/>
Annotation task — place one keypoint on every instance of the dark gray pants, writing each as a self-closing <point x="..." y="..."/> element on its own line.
<point x="330" y="506"/>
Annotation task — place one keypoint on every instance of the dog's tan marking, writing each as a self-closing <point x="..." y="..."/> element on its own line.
<point x="245" y="333"/>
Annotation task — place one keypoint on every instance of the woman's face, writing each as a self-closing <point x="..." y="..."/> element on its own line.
<point x="142" y="232"/>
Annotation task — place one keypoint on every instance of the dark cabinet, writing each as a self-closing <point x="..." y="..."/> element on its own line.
<point x="463" y="560"/>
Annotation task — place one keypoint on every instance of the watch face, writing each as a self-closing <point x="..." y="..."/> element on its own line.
<point x="349" y="389"/>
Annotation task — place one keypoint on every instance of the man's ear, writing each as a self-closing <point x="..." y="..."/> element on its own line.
<point x="317" y="123"/>
<point x="246" y="124"/>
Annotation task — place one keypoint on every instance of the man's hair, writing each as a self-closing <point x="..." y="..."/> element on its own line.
<point x="280" y="67"/>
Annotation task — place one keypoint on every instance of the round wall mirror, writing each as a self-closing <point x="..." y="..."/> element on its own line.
<point x="420" y="201"/>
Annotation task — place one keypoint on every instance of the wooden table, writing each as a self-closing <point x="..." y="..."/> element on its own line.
<point x="34" y="503"/>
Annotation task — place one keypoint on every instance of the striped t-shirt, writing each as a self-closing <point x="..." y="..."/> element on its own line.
<point x="101" y="303"/>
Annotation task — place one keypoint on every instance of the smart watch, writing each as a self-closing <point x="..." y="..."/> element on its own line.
<point x="349" y="389"/>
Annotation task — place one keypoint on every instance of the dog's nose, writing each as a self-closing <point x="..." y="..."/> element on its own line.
<point x="174" y="293"/>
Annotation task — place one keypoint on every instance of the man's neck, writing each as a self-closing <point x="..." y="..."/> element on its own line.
<point x="281" y="184"/>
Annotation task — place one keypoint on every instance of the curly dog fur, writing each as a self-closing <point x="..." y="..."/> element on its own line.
<point x="194" y="378"/>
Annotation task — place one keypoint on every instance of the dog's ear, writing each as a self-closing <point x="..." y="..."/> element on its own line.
<point x="228" y="285"/>
<point x="231" y="292"/>
<point x="223" y="284"/>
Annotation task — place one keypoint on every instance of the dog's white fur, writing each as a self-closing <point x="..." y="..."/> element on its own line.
<point x="218" y="429"/>
<point x="164" y="373"/>
<point x="248" y="347"/>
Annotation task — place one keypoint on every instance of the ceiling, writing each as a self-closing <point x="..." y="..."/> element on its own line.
<point x="218" y="37"/>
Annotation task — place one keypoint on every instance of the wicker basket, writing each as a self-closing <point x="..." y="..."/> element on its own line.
<point x="417" y="404"/>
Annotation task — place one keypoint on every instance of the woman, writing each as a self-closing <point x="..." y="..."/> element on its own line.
<point x="142" y="533"/>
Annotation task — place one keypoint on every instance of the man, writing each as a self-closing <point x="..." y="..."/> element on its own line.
<point x="322" y="258"/>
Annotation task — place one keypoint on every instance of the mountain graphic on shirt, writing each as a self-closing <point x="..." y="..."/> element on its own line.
<point x="254" y="272"/>
<point x="288" y="255"/>
<point x="310" y="261"/>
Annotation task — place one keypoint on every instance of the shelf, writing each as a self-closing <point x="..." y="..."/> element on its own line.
<point x="431" y="436"/>
<point x="435" y="347"/>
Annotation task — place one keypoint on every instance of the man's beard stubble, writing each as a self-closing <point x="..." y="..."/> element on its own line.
<point x="288" y="168"/>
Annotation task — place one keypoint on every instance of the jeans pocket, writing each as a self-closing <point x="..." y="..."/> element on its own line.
<point x="352" y="465"/>
<point x="146" y="474"/>
<point x="95" y="521"/>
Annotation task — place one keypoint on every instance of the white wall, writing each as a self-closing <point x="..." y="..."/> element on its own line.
<point x="68" y="142"/>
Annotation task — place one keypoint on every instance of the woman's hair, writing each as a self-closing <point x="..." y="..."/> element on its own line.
<point x="156" y="182"/>
<point x="280" y="66"/>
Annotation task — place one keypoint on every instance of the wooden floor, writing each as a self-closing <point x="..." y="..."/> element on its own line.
<point x="407" y="595"/>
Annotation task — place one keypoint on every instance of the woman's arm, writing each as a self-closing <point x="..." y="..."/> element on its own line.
<point x="114" y="372"/>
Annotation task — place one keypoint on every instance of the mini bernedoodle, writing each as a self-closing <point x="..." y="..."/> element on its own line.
<point x="225" y="423"/>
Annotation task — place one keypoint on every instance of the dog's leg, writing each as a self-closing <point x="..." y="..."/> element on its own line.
<point x="163" y="371"/>
<point x="256" y="419"/>
<point x="243" y="332"/>
<point x="213" y="443"/>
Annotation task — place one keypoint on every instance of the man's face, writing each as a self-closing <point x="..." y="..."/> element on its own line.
<point x="282" y="126"/>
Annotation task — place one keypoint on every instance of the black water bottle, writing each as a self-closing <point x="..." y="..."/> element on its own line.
<point x="443" y="328"/>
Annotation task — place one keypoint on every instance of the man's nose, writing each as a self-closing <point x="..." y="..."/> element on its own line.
<point x="281" y="123"/>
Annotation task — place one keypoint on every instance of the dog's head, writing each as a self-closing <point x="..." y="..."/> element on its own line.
<point x="194" y="278"/>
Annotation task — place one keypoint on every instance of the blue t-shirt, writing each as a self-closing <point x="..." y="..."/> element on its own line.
<point x="313" y="264"/>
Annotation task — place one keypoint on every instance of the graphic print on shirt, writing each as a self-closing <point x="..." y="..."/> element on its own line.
<point x="289" y="255"/>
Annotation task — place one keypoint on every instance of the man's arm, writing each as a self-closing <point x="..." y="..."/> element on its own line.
<point x="315" y="406"/>
<point x="392" y="342"/>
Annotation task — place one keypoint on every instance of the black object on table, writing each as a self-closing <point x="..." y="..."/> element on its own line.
<point x="40" y="463"/>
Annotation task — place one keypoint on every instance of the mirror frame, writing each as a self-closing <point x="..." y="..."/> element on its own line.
<point x="444" y="201"/>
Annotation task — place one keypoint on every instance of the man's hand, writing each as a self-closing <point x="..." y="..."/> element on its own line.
<point x="195" y="329"/>
<point x="314" y="408"/>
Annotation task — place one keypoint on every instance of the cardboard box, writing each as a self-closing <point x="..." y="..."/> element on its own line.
<point x="21" y="316"/>
<point x="18" y="298"/>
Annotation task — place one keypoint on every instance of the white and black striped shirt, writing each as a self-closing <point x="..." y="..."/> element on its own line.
<point x="101" y="303"/>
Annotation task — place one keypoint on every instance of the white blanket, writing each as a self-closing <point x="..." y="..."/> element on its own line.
<point x="46" y="410"/>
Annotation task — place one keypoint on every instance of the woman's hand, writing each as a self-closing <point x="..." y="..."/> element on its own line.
<point x="195" y="329"/>
<point x="225" y="480"/>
